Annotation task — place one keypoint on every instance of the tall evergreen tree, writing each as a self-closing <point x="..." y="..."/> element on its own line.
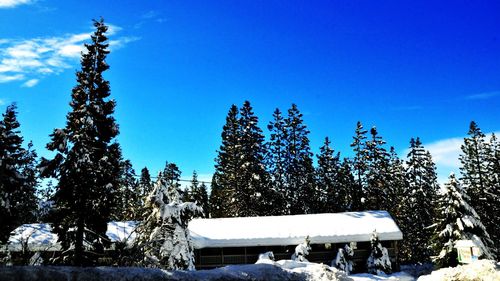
<point x="225" y="178"/>
<point x="419" y="205"/>
<point x="333" y="195"/>
<point x="347" y="182"/>
<point x="87" y="161"/>
<point x="493" y="159"/>
<point x="397" y="182"/>
<point x="456" y="220"/>
<point x="478" y="177"/>
<point x="18" y="202"/>
<point x="145" y="183"/>
<point x="359" y="163"/>
<point x="377" y="189"/>
<point x="300" y="171"/>
<point x="276" y="164"/>
<point x="129" y="194"/>
<point x="252" y="195"/>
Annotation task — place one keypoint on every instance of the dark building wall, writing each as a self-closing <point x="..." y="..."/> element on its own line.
<point x="320" y="253"/>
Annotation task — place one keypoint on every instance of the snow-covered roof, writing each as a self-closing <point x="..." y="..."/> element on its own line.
<point x="39" y="236"/>
<point x="291" y="230"/>
<point x="243" y="232"/>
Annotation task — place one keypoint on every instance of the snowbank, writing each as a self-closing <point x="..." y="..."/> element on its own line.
<point x="237" y="272"/>
<point x="485" y="270"/>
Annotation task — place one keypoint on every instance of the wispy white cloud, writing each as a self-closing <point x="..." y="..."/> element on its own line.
<point x="483" y="96"/>
<point x="29" y="60"/>
<point x="9" y="78"/>
<point x="445" y="154"/>
<point x="150" y="16"/>
<point x="13" y="3"/>
<point x="3" y="102"/>
<point x="30" y="83"/>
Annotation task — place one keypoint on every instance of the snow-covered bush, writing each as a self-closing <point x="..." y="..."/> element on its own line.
<point x="344" y="261"/>
<point x="378" y="262"/>
<point x="302" y="250"/>
<point x="267" y="257"/>
<point x="163" y="236"/>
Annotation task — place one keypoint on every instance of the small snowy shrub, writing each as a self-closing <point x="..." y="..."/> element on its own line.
<point x="267" y="257"/>
<point x="302" y="250"/>
<point x="378" y="262"/>
<point x="344" y="261"/>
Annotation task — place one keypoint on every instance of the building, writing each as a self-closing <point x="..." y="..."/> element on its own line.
<point x="224" y="241"/>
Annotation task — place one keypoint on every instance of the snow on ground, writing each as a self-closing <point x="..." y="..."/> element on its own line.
<point x="398" y="276"/>
<point x="265" y="270"/>
<point x="484" y="270"/>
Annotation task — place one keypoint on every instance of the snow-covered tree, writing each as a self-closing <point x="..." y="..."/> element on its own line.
<point x="378" y="262"/>
<point x="359" y="164"/>
<point x="225" y="178"/>
<point x="276" y="164"/>
<point x="129" y="195"/>
<point x="163" y="237"/>
<point x="478" y="160"/>
<point x="251" y="198"/>
<point x="301" y="189"/>
<point x="87" y="160"/>
<point x="377" y="190"/>
<point x="397" y="182"/>
<point x="18" y="203"/>
<point x="456" y="220"/>
<point x="418" y="207"/>
<point x="493" y="158"/>
<point x="344" y="259"/>
<point x="302" y="250"/>
<point x="197" y="193"/>
<point x="332" y="193"/>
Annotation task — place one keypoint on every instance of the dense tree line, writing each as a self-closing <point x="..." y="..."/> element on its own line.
<point x="374" y="178"/>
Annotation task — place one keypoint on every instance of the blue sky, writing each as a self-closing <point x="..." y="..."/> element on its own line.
<point x="412" y="68"/>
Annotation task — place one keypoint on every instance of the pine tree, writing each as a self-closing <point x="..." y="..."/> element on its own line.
<point x="478" y="177"/>
<point x="145" y="183"/>
<point x="397" y="182"/>
<point x="172" y="175"/>
<point x="87" y="161"/>
<point x="378" y="262"/>
<point x="419" y="204"/>
<point x="377" y="188"/>
<point x="129" y="195"/>
<point x="225" y="179"/>
<point x="300" y="171"/>
<point x="252" y="193"/>
<point x="456" y="220"/>
<point x="347" y="182"/>
<point x="359" y="163"/>
<point x="197" y="193"/>
<point x="493" y="159"/>
<point x="18" y="201"/>
<point x="276" y="164"/>
<point x="218" y="208"/>
<point x="333" y="195"/>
